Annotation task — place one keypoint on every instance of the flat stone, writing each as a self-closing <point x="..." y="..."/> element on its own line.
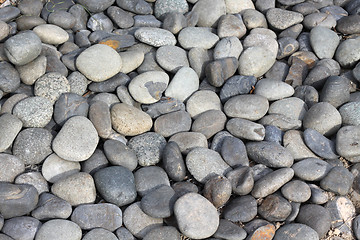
<point x="99" y="115"/>
<point x="316" y="217"/>
<point x="111" y="181"/>
<point x="184" y="83"/>
<point x="241" y="180"/>
<point x="202" y="101"/>
<point x="281" y="19"/>
<point x="121" y="18"/>
<point x="319" y="144"/>
<point x="12" y="229"/>
<point x="58" y="228"/>
<point x="69" y="105"/>
<point x="296" y="191"/>
<point x="155" y="36"/>
<point x="228" y="47"/>
<point x="211" y="164"/>
<point x="296" y="231"/>
<point x="347" y="140"/>
<point x="228" y="229"/>
<point x="217" y="190"/>
<point x="231" y="26"/>
<point x="241" y="209"/>
<point x="171" y="123"/>
<point x="246" y="129"/>
<point x="347" y="54"/>
<point x="319" y="19"/>
<point x="209" y="12"/>
<point x="218" y="71"/>
<point x="273" y="89"/>
<point x="101" y="215"/>
<point x="274" y="208"/>
<point x="99" y="233"/>
<point x="197" y="37"/>
<point x="99" y="21"/>
<point x="163" y="233"/>
<point x="237" y="85"/>
<point x="10" y="166"/>
<point x="311" y="169"/>
<point x="63" y="19"/>
<point x="291" y="107"/>
<point x="51" y="206"/>
<point x="203" y="220"/>
<point x="339" y="180"/>
<point x="209" y="123"/>
<point x="189" y="140"/>
<point x="247" y="106"/>
<point x="271" y="182"/>
<point x="233" y="151"/>
<point x="147" y="179"/>
<point x="159" y="203"/>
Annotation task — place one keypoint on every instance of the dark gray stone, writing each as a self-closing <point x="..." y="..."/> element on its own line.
<point x="181" y="188"/>
<point x="69" y="105"/>
<point x="173" y="162"/>
<point x="116" y="185"/>
<point x="241" y="209"/>
<point x="229" y="230"/>
<point x="10" y="167"/>
<point x="121" y="18"/>
<point x="347" y="140"/>
<point x="233" y="151"/>
<point x="237" y="85"/>
<point x="174" y="22"/>
<point x="28" y="22"/>
<point x="287" y="46"/>
<point x="111" y="84"/>
<point x="119" y="154"/>
<point x="274" y="208"/>
<point x="9" y="77"/>
<point x="317" y="76"/>
<point x="138" y="7"/>
<point x="56" y="5"/>
<point x="63" y="19"/>
<point x="99" y="115"/>
<point x="296" y="231"/>
<point x="15" y="227"/>
<point x="292" y="32"/>
<point x="318" y="195"/>
<point x="339" y="180"/>
<point x="17" y="199"/>
<point x="316" y="217"/>
<point x="95" y="162"/>
<point x="163" y="106"/>
<point x="217" y="190"/>
<point x="100" y="21"/>
<point x="124" y="234"/>
<point x="296" y="191"/>
<point x="172" y="123"/>
<point x="336" y="11"/>
<point x="9" y="13"/>
<point x="336" y="91"/>
<point x="311" y="169"/>
<point x="209" y="123"/>
<point x="319" y="144"/>
<point x="349" y="24"/>
<point x="50" y="207"/>
<point x="308" y="94"/>
<point x="241" y="179"/>
<point x="356" y="226"/>
<point x="159" y="203"/>
<point x="162" y="233"/>
<point x="278" y="71"/>
<point x="147" y="179"/>
<point x="218" y="71"/>
<point x="260" y="170"/>
<point x="273" y="134"/>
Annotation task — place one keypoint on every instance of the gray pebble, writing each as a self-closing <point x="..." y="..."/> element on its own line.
<point x="173" y="162"/>
<point x="10" y="126"/>
<point x="275" y="208"/>
<point x="231" y="26"/>
<point x="246" y="129"/>
<point x="13" y="227"/>
<point x="124" y="234"/>
<point x="241" y="179"/>
<point x="281" y="19"/>
<point x="296" y="191"/>
<point x="311" y="169"/>
<point x="241" y="209"/>
<point x="319" y="144"/>
<point x="50" y="207"/>
<point x="159" y="203"/>
<point x="209" y="12"/>
<point x="273" y="89"/>
<point x="29" y="22"/>
<point x="94" y="163"/>
<point x="335" y="91"/>
<point x="189" y="140"/>
<point x="59" y="227"/>
<point x="318" y="195"/>
<point x="99" y="233"/>
<point x="11" y="166"/>
<point x="319" y="19"/>
<point x="315" y="216"/>
<point x="233" y="151"/>
<point x="229" y="230"/>
<point x="69" y="105"/>
<point x="228" y="47"/>
<point x="121" y="18"/>
<point x="78" y="83"/>
<point x="339" y="180"/>
<point x="99" y="115"/>
<point x="296" y="231"/>
<point x="171" y="58"/>
<point x="273" y="134"/>
<point x="287" y="46"/>
<point x="30" y="72"/>
<point x="237" y="85"/>
<point x="10" y="78"/>
<point x="172" y="123"/>
<point x="247" y="106"/>
<point x="111" y="84"/>
<point x="33" y="178"/>
<point x="163" y="233"/>
<point x="347" y="140"/>
<point x="62" y="19"/>
<point x="119" y="154"/>
<point x="197" y="37"/>
<point x="329" y="40"/>
<point x="308" y="94"/>
<point x="209" y="123"/>
<point x="346" y="54"/>
<point x="163" y="106"/>
<point x="149" y="178"/>
<point x="217" y="190"/>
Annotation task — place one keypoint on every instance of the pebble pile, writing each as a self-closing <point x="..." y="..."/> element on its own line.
<point x="180" y="119"/>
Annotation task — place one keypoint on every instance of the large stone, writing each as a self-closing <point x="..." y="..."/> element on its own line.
<point x="256" y="61"/>
<point x="59" y="229"/>
<point x="51" y="34"/>
<point x="10" y="126"/>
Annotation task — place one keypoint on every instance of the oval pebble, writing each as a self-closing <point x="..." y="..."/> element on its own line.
<point x="246" y="129"/>
<point x="248" y="106"/>
<point x="311" y="169"/>
<point x="51" y="86"/>
<point x="57" y="229"/>
<point x="296" y="231"/>
<point x="156" y="37"/>
<point x="197" y="37"/>
<point x="296" y="191"/>
<point x="273" y="89"/>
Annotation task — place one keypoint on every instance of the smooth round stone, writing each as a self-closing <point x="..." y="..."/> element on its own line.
<point x="218" y="71"/>
<point x="116" y="185"/>
<point x="10" y="79"/>
<point x="29" y="22"/>
<point x="76" y="189"/>
<point x="287" y="46"/>
<point x="336" y="11"/>
<point x="253" y="19"/>
<point x="273" y="89"/>
<point x="10" y="166"/>
<point x="316" y="217"/>
<point x="51" y="206"/>
<point x="111" y="84"/>
<point x="197" y="37"/>
<point x="147" y="179"/>
<point x="241" y="209"/>
<point x="95" y="6"/>
<point x="292" y="32"/>
<point x="335" y="91"/>
<point x="308" y="94"/>
<point x="163" y="233"/>
<point x="209" y="123"/>
<point x="148" y="87"/>
<point x="318" y="195"/>
<point x="281" y="19"/>
<point x="202" y="101"/>
<point x="203" y="220"/>
<point x="205" y="163"/>
<point x="233" y="151"/>
<point x="77" y="139"/>
<point x="319" y="144"/>
<point x="163" y="106"/>
<point x="324" y="118"/>
<point x="148" y="148"/>
<point x="237" y="85"/>
<point x="324" y="42"/>
<point x="13" y="227"/>
<point x="156" y="37"/>
<point x="347" y="139"/>
<point x="159" y="203"/>
<point x="174" y="22"/>
<point x="217" y="190"/>
<point x="292" y="107"/>
<point x="311" y="169"/>
<point x="121" y="18"/>
<point x="264" y="40"/>
<point x="171" y="123"/>
<point x="30" y="72"/>
<point x="229" y="230"/>
<point x="99" y="233"/>
<point x="296" y="231"/>
<point x="59" y="229"/>
<point x="189" y="140"/>
<point x="33" y="178"/>
<point x="247" y="106"/>
<point x="183" y="84"/>
<point x="51" y="34"/>
<point x="131" y="60"/>
<point x="17" y="199"/>
<point x="317" y="76"/>
<point x="109" y="98"/>
<point x="78" y="83"/>
<point x="99" y="115"/>
<point x="173" y="162"/>
<point x="51" y="86"/>
<point x="230" y="26"/>
<point x="63" y="19"/>
<point x="123" y="233"/>
<point x="347" y="53"/>
<point x="138" y="222"/>
<point x="241" y="179"/>
<point x="99" y="62"/>
<point x="101" y="215"/>
<point x="274" y="208"/>
<point x="339" y="180"/>
<point x="272" y="182"/>
<point x="296" y="191"/>
<point x="209" y="12"/>
<point x="198" y="58"/>
<point x="129" y="121"/>
<point x="280" y="121"/>
<point x="270" y="154"/>
<point x="10" y="126"/>
<point x="55" y="168"/>
<point x="259" y="171"/>
<point x="319" y="19"/>
<point x="32" y="145"/>
<point x="246" y="129"/>
<point x="356" y="72"/>
<point x="349" y="24"/>
<point x="256" y="61"/>
<point x="228" y="47"/>
<point x="22" y="48"/>
<point x="69" y="105"/>
<point x="100" y="22"/>
<point x="119" y="154"/>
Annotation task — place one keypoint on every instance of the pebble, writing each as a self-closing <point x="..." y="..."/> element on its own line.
<point x="296" y="191"/>
<point x="155" y="36"/>
<point x="69" y="105"/>
<point x="230" y="26"/>
<point x="147" y="179"/>
<point x="183" y="84"/>
<point x="308" y="94"/>
<point x="10" y="79"/>
<point x="319" y="144"/>
<point x="348" y="24"/>
<point x="247" y="106"/>
<point x="198" y="58"/>
<point x="138" y="222"/>
<point x="349" y="113"/>
<point x="163" y="233"/>
<point x="292" y="107"/>
<point x="12" y="229"/>
<point x="78" y="83"/>
<point x="209" y="12"/>
<point x="119" y="154"/>
<point x="281" y="19"/>
<point x="273" y="89"/>
<point x="347" y="54"/>
<point x="228" y="47"/>
<point x="99" y="233"/>
<point x="217" y="190"/>
<point x="311" y="169"/>
<point x="171" y="123"/>
<point x="233" y="151"/>
<point x="324" y="118"/>
<point x="51" y="207"/>
<point x="209" y="123"/>
<point x="339" y="180"/>
<point x="11" y="167"/>
<point x="237" y="85"/>
<point x="318" y="195"/>
<point x="245" y="129"/>
<point x="274" y="208"/>
<point x="204" y="163"/>
<point x="76" y="189"/>
<point x="218" y="71"/>
<point x="55" y="168"/>
<point x="111" y="84"/>
<point x="202" y="101"/>
<point x="10" y="126"/>
<point x="189" y="140"/>
<point x="273" y="134"/>
<point x="128" y="120"/>
<point x="22" y="48"/>
<point x="241" y="180"/>
<point x="319" y="19"/>
<point x="347" y="140"/>
<point x="123" y="233"/>
<point x="173" y="162"/>
<point x="204" y="225"/>
<point x="100" y="21"/>
<point x="316" y="217"/>
<point x="102" y="215"/>
<point x="281" y="121"/>
<point x="197" y="37"/>
<point x="51" y="86"/>
<point x="159" y="203"/>
<point x="270" y="154"/>
<point x="30" y="72"/>
<point x="271" y="182"/>
<point x="329" y="40"/>
<point x="33" y="145"/>
<point x="174" y="22"/>
<point x="63" y="19"/>
<point x="99" y="115"/>
<point x="17" y="199"/>
<point x="335" y="91"/>
<point x="51" y="34"/>
<point x="171" y="58"/>
<point x="296" y="231"/>
<point x="57" y="229"/>
<point x="110" y="186"/>
<point x="250" y="59"/>
<point x="229" y="230"/>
